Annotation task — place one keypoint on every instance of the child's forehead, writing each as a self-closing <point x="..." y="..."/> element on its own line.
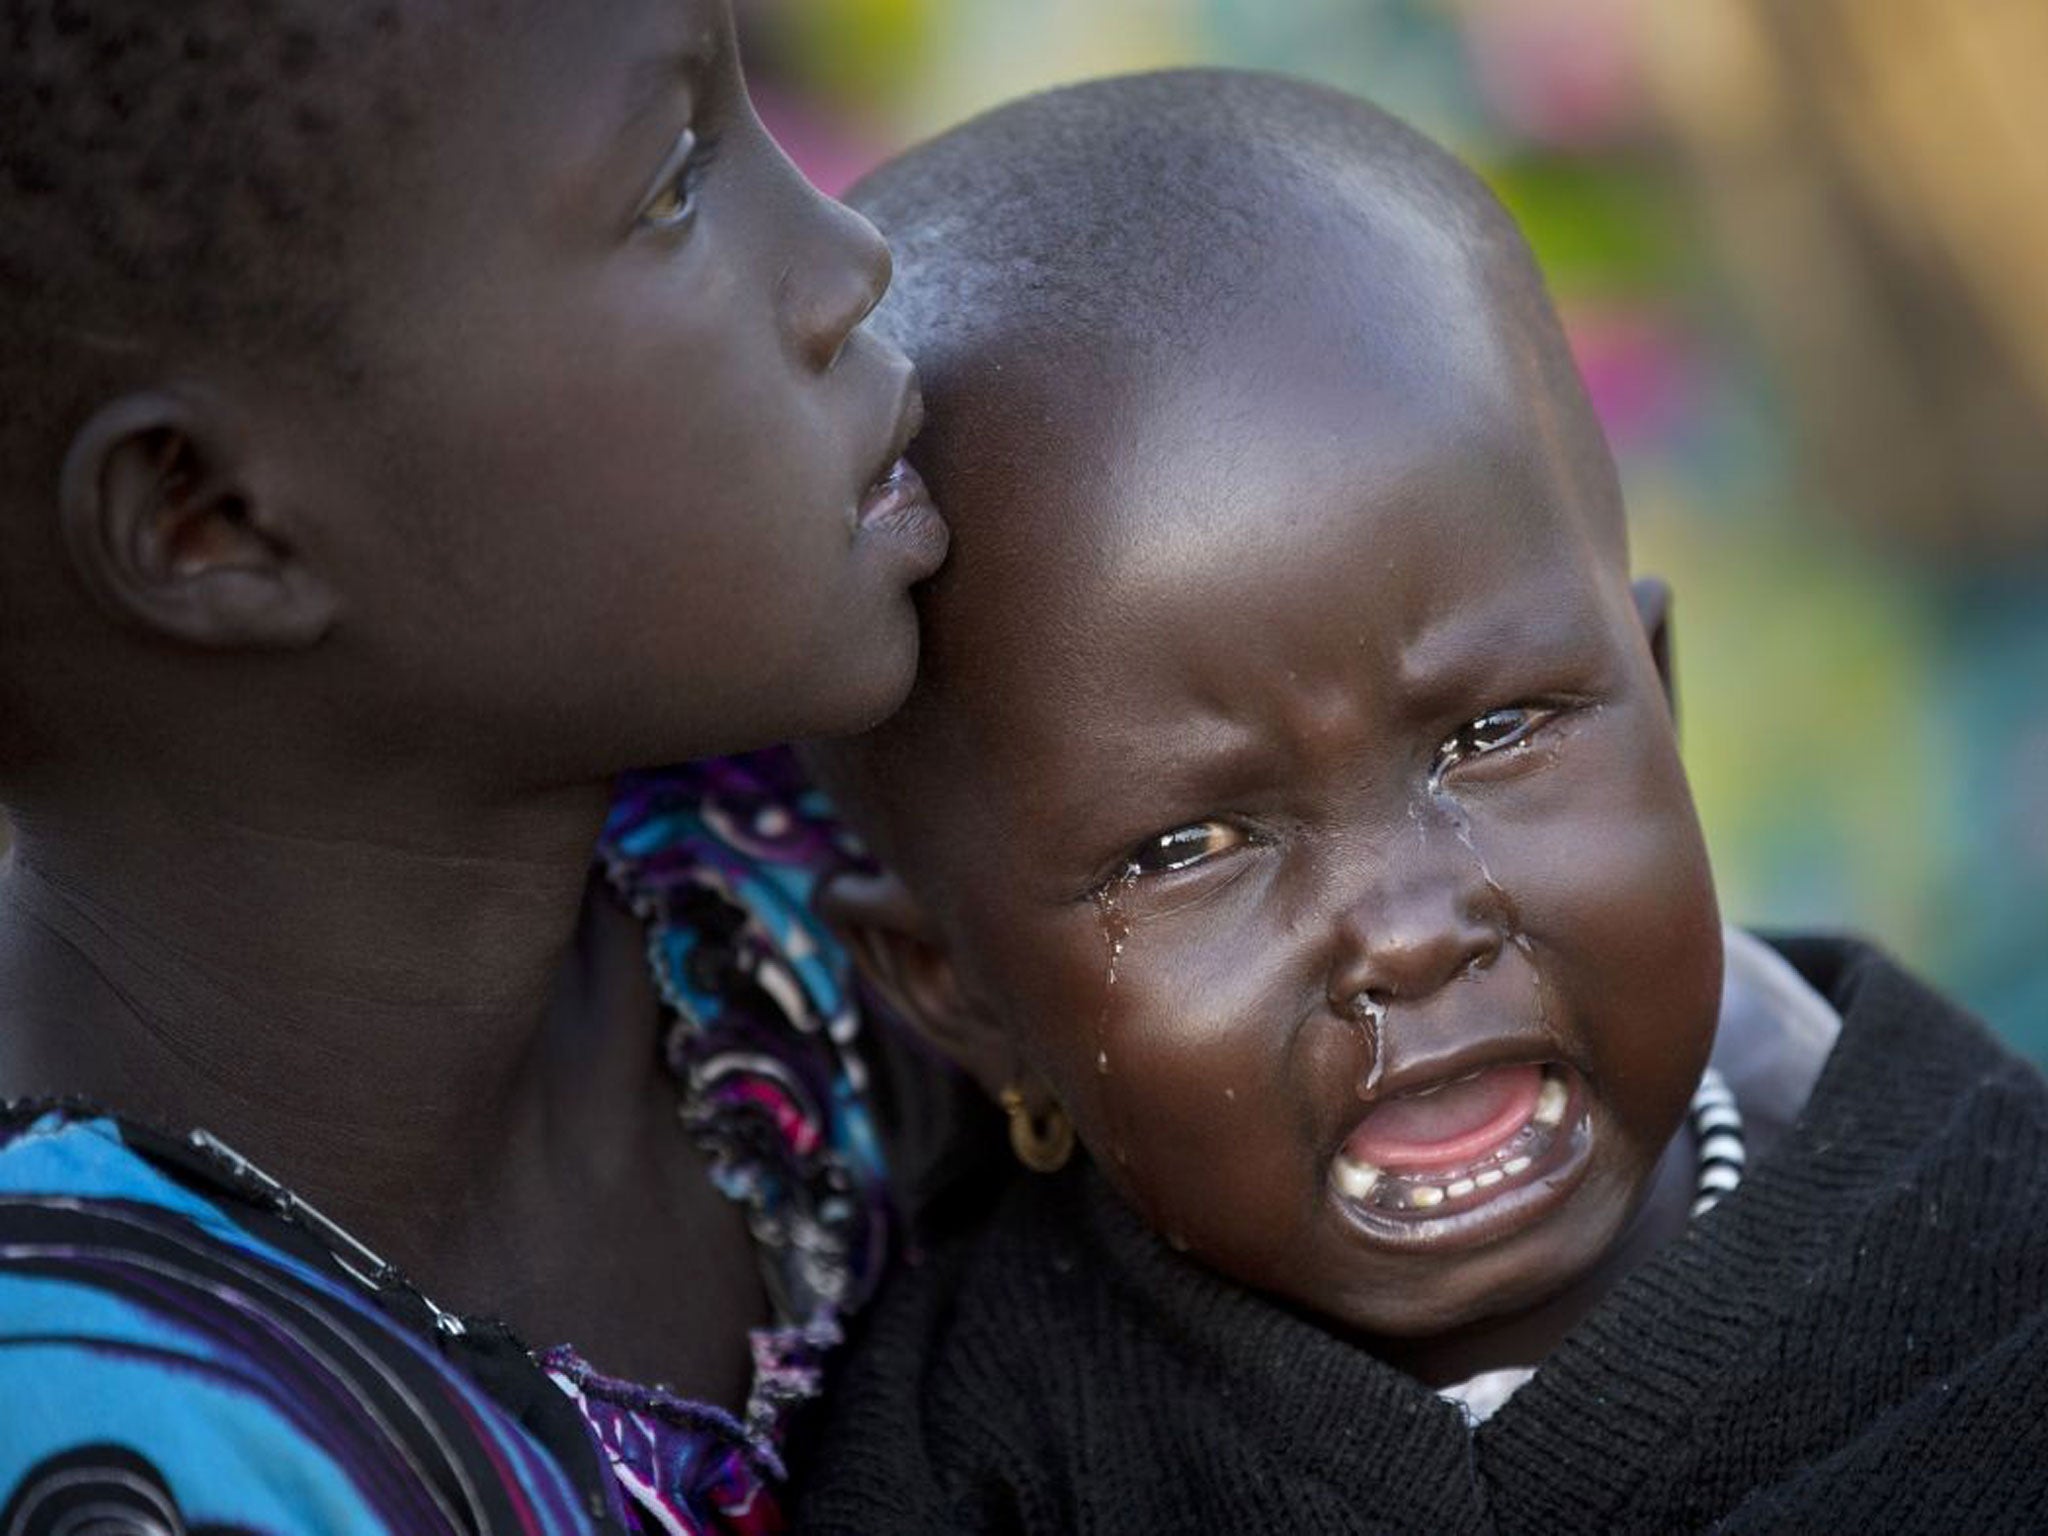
<point x="1339" y="370"/>
<point x="1237" y="609"/>
<point x="1220" y="508"/>
<point x="619" y="57"/>
<point x="1205" y="539"/>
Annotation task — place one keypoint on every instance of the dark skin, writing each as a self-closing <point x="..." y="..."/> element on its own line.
<point x="333" y="679"/>
<point x="1291" y="667"/>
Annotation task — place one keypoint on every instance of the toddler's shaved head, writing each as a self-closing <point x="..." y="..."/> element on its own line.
<point x="1069" y="251"/>
<point x="1130" y="205"/>
<point x="1139" y="214"/>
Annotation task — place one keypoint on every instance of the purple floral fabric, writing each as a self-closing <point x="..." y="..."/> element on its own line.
<point x="721" y="862"/>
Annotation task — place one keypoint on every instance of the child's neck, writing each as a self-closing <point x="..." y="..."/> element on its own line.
<point x="371" y="1017"/>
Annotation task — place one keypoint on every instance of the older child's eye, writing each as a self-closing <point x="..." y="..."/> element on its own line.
<point x="1493" y="731"/>
<point x="1181" y="847"/>
<point x="675" y="196"/>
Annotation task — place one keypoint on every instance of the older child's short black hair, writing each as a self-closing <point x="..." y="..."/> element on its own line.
<point x="178" y="171"/>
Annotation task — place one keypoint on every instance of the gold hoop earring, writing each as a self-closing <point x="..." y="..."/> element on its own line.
<point x="1043" y="1143"/>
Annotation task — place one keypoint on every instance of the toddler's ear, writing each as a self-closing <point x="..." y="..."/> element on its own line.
<point x="1653" y="605"/>
<point x="905" y="961"/>
<point x="163" y="529"/>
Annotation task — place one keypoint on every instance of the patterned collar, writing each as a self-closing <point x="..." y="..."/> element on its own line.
<point x="720" y="861"/>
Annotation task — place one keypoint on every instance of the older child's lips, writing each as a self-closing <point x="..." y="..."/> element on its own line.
<point x="1449" y="1125"/>
<point x="898" y="508"/>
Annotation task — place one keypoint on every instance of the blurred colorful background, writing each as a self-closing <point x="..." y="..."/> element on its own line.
<point x="1800" y="246"/>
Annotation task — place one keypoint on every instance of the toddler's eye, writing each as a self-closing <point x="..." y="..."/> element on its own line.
<point x="675" y="197"/>
<point x="1491" y="732"/>
<point x="1498" y="728"/>
<point x="1181" y="847"/>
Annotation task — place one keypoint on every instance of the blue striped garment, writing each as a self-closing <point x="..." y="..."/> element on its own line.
<point x="160" y="1357"/>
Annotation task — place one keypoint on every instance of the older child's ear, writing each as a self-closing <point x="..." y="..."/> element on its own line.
<point x="907" y="964"/>
<point x="1653" y="606"/>
<point x="163" y="530"/>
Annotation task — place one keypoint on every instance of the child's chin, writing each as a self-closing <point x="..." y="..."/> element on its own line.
<point x="1456" y="1309"/>
<point x="871" y="682"/>
<point x="1490" y="1287"/>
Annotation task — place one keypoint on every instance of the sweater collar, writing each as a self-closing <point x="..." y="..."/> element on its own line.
<point x="1635" y="1373"/>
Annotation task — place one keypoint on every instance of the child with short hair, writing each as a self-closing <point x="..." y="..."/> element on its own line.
<point x="1289" y="812"/>
<point x="419" y="416"/>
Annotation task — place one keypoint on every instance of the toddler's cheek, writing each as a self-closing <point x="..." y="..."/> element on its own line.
<point x="1210" y="1149"/>
<point x="1223" y="1198"/>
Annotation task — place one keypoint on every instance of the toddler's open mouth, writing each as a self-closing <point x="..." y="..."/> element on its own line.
<point x="1460" y="1144"/>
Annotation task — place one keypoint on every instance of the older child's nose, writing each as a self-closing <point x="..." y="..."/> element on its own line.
<point x="1407" y="935"/>
<point x="826" y="296"/>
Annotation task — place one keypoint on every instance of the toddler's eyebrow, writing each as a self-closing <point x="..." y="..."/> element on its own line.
<point x="1452" y="644"/>
<point x="1208" y="758"/>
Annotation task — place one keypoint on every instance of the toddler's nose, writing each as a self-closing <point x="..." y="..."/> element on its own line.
<point x="1410" y="932"/>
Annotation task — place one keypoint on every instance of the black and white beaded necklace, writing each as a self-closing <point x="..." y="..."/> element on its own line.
<point x="1717" y="1128"/>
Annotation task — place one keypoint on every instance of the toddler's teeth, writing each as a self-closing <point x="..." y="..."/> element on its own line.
<point x="1492" y="1176"/>
<point x="1356" y="1180"/>
<point x="1550" y="1103"/>
<point x="1461" y="1188"/>
<point x="1423" y="1196"/>
<point x="1515" y="1165"/>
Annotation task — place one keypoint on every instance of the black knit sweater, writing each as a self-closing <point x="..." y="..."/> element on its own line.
<point x="1857" y="1340"/>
